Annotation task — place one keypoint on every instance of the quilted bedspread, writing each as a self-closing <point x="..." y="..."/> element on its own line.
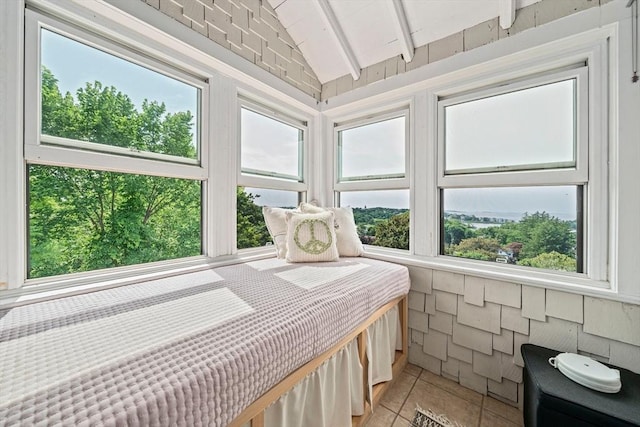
<point x="190" y="350"/>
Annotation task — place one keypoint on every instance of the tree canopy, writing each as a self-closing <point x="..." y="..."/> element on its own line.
<point x="81" y="219"/>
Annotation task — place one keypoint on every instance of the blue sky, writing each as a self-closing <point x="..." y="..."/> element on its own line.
<point x="74" y="64"/>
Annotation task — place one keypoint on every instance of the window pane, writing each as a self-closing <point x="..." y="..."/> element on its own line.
<point x="92" y="96"/>
<point x="251" y="230"/>
<point x="375" y="150"/>
<point x="382" y="217"/>
<point x="83" y="220"/>
<point x="530" y="226"/>
<point x="526" y="129"/>
<point x="270" y="147"/>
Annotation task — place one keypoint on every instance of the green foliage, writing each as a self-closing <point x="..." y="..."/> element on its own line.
<point x="456" y="231"/>
<point x="251" y="228"/>
<point x="393" y="232"/>
<point x="82" y="220"/>
<point x="368" y="219"/>
<point x="552" y="260"/>
<point x="531" y="241"/>
<point x="481" y="248"/>
<point x="544" y="234"/>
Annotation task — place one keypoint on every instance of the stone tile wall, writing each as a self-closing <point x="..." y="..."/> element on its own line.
<point x="479" y="35"/>
<point x="470" y="329"/>
<point x="250" y="29"/>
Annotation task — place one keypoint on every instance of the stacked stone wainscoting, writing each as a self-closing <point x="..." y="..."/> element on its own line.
<point x="250" y="29"/>
<point x="470" y="329"/>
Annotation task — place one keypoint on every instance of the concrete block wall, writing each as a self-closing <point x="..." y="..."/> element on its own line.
<point x="479" y="35"/>
<point x="470" y="329"/>
<point x="250" y="29"/>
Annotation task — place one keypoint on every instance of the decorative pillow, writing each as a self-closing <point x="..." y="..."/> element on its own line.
<point x="276" y="221"/>
<point x="349" y="243"/>
<point x="311" y="237"/>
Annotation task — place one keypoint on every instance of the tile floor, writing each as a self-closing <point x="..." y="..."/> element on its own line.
<point x="418" y="387"/>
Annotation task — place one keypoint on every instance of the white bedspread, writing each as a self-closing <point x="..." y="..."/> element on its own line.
<point x="190" y="350"/>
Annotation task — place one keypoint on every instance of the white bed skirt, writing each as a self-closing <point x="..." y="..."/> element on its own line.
<point x="330" y="395"/>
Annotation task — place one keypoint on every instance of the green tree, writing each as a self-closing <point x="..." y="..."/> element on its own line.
<point x="552" y="261"/>
<point x="394" y="232"/>
<point x="543" y="233"/>
<point x="82" y="220"/>
<point x="481" y="248"/>
<point x="251" y="228"/>
<point x="456" y="231"/>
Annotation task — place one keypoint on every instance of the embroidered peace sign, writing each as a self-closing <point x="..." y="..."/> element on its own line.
<point x="313" y="246"/>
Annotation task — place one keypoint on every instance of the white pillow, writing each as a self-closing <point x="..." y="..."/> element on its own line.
<point x="276" y="221"/>
<point x="311" y="237"/>
<point x="349" y="243"/>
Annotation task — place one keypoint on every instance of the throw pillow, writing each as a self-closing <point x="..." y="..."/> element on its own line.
<point x="349" y="243"/>
<point x="276" y="221"/>
<point x="311" y="237"/>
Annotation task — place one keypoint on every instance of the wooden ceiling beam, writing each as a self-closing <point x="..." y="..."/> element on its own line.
<point x="507" y="13"/>
<point x="334" y="28"/>
<point x="401" y="24"/>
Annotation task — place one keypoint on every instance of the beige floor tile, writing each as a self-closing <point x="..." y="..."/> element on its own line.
<point x="429" y="396"/>
<point x="401" y="422"/>
<point x="490" y="419"/>
<point x="412" y="369"/>
<point x="382" y="417"/>
<point x="452" y="387"/>
<point x="395" y="396"/>
<point x="511" y="413"/>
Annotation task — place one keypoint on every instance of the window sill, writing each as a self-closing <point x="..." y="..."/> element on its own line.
<point x="39" y="290"/>
<point x="567" y="282"/>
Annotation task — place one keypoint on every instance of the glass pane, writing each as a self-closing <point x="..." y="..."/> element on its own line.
<point x="270" y="147"/>
<point x="526" y="129"/>
<point x="382" y="216"/>
<point x="251" y="230"/>
<point x="530" y="226"/>
<point x="92" y="96"/>
<point x="373" y="150"/>
<point x="83" y="220"/>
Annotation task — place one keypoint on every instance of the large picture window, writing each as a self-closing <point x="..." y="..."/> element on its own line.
<point x="114" y="151"/>
<point x="513" y="173"/>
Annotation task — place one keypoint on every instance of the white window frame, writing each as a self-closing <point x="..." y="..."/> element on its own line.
<point x="535" y="175"/>
<point x="256" y="179"/>
<point x="522" y="176"/>
<point x="63" y="152"/>
<point x="58" y="151"/>
<point x="399" y="108"/>
<point x="373" y="182"/>
<point x="591" y="171"/>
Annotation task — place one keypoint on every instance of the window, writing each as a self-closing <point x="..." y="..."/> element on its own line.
<point x="382" y="217"/>
<point x="271" y="169"/>
<point x="115" y="154"/>
<point x="372" y="177"/>
<point x="251" y="229"/>
<point x="513" y="173"/>
<point x="270" y="147"/>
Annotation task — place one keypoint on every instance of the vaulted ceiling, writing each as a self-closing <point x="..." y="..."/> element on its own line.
<point x="339" y="37"/>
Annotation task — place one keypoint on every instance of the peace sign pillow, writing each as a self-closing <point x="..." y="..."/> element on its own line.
<point x="311" y="237"/>
<point x="348" y="241"/>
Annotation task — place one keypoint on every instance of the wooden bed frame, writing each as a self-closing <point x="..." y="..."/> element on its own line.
<point x="255" y="412"/>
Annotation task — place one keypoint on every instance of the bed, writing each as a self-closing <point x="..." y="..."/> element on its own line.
<point x="216" y="347"/>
